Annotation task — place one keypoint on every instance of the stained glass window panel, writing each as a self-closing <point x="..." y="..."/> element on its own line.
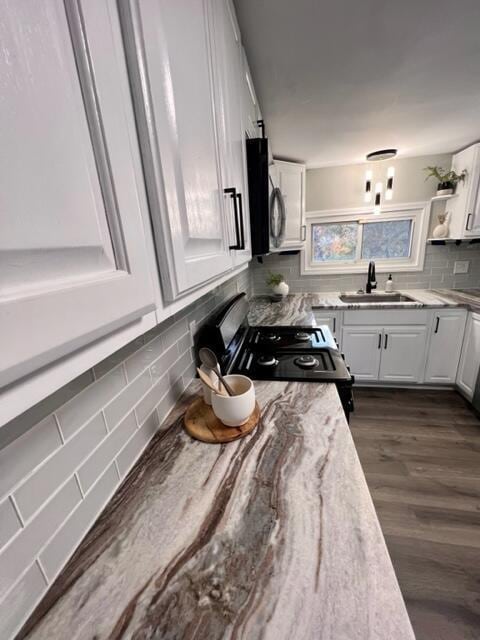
<point x="386" y="240"/>
<point x="334" y="241"/>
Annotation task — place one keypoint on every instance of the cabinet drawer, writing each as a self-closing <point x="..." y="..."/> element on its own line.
<point x="382" y="317"/>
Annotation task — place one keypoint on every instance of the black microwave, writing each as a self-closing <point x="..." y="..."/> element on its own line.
<point x="267" y="207"/>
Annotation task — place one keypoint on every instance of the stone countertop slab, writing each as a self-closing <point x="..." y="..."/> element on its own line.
<point x="298" y="309"/>
<point x="273" y="536"/>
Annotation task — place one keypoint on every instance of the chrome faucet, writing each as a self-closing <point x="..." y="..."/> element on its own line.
<point x="371" y="279"/>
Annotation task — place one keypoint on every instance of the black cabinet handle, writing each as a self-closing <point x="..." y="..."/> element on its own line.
<point x="240" y="215"/>
<point x="436" y="326"/>
<point x="379" y="340"/>
<point x="334" y="324"/>
<point x="261" y="126"/>
<point x="386" y="341"/>
<point x="467" y="226"/>
<point x="233" y="194"/>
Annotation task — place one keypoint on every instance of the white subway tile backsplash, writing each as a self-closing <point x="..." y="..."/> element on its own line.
<point x="60" y="462"/>
<point x="104" y="454"/>
<point x="64" y="542"/>
<point x="21" y="599"/>
<point x="33" y="493"/>
<point x="124" y="403"/>
<point x="89" y="402"/>
<point x="9" y="522"/>
<point x="151" y="399"/>
<point x="162" y="364"/>
<point x="130" y="452"/>
<point x="25" y="546"/>
<point x="23" y="455"/>
<point x="143" y="358"/>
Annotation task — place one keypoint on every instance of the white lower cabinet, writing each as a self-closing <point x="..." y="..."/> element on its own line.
<point x="331" y="320"/>
<point x="468" y="368"/>
<point x="362" y="347"/>
<point x="445" y="346"/>
<point x="390" y="354"/>
<point x="403" y="354"/>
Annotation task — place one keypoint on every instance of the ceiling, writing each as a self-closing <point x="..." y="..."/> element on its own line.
<point x="336" y="80"/>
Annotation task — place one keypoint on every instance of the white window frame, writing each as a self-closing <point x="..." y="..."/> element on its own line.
<point x="418" y="212"/>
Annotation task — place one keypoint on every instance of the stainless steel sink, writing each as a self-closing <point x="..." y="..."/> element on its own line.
<point x="372" y="298"/>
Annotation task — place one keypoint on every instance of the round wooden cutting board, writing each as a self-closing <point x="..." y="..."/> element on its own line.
<point x="202" y="424"/>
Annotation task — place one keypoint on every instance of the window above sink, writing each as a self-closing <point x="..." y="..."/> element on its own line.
<point x="345" y="241"/>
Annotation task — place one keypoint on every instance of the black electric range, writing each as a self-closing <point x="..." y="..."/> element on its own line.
<point x="308" y="354"/>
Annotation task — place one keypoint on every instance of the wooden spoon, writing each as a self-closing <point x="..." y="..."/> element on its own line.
<point x="206" y="380"/>
<point x="209" y="359"/>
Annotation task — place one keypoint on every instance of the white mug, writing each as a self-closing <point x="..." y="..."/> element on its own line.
<point x="235" y="410"/>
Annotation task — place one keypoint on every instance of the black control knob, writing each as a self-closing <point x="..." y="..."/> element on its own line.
<point x="343" y="356"/>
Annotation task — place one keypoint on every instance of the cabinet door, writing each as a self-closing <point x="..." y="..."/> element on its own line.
<point x="330" y="319"/>
<point x="169" y="54"/>
<point x="362" y="347"/>
<point x="249" y="102"/>
<point x="229" y="88"/>
<point x="465" y="206"/>
<point x="445" y="346"/>
<point x="468" y="368"/>
<point x="73" y="263"/>
<point x="290" y="178"/>
<point x="403" y="354"/>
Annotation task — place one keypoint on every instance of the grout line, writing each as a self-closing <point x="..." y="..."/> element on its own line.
<point x="75" y="475"/>
<point x="42" y="570"/>
<point x="17" y="510"/>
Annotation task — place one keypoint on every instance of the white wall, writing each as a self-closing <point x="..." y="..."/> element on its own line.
<point x="343" y="187"/>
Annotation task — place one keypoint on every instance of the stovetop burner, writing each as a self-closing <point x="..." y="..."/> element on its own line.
<point x="302" y="336"/>
<point x="270" y="337"/>
<point x="306" y="362"/>
<point x="267" y="360"/>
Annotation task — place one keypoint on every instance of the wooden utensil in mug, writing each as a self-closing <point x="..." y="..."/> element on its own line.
<point x="206" y="380"/>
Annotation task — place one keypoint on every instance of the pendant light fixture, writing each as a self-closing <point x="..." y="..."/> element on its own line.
<point x="378" y="199"/>
<point x="368" y="186"/>
<point x="390" y="176"/>
<point x="374" y="156"/>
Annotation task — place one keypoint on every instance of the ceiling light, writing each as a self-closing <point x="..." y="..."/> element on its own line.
<point x="383" y="154"/>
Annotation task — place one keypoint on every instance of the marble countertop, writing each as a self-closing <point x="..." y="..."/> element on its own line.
<point x="298" y="309"/>
<point x="273" y="536"/>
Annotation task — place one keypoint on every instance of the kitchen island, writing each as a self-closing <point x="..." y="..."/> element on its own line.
<point x="272" y="536"/>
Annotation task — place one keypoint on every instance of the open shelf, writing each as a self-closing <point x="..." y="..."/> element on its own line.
<point x="443" y="198"/>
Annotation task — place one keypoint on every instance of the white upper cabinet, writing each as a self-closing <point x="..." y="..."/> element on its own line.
<point x="469" y="366"/>
<point x="445" y="346"/>
<point x="169" y="52"/>
<point x="251" y="110"/>
<point x="73" y="263"/>
<point x="289" y="177"/>
<point x="465" y="206"/>
<point x="228" y="71"/>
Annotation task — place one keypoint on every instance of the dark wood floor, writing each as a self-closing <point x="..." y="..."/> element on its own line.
<point x="420" y="451"/>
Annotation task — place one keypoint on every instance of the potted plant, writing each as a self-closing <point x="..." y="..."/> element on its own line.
<point x="447" y="180"/>
<point x="277" y="283"/>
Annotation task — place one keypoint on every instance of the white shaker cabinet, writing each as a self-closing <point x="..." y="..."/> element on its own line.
<point x="403" y="354"/>
<point x="465" y="206"/>
<point x="73" y="263"/>
<point x="228" y="72"/>
<point x="329" y="318"/>
<point x="362" y="347"/>
<point x="445" y="345"/>
<point x="468" y="368"/>
<point x="289" y="177"/>
<point x="169" y="48"/>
